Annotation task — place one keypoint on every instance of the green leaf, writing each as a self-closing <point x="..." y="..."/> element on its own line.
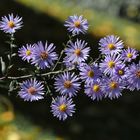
<point x="14" y="46"/>
<point x="10" y="67"/>
<point x="14" y="54"/>
<point x="11" y="86"/>
<point x="3" y="65"/>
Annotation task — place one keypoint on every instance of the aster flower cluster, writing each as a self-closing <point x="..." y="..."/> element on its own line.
<point x="38" y="54"/>
<point x="106" y="77"/>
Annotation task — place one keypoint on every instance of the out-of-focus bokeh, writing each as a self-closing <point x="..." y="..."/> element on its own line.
<point x="120" y="17"/>
<point x="103" y="120"/>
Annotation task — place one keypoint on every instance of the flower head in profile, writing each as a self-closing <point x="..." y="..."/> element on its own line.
<point x="31" y="90"/>
<point x="129" y="54"/>
<point x="10" y="24"/>
<point x="76" y="24"/>
<point x="112" y="87"/>
<point x="133" y="76"/>
<point x="108" y="65"/>
<point x="110" y="44"/>
<point x="25" y="52"/>
<point x="89" y="73"/>
<point x="68" y="64"/>
<point x="44" y="55"/>
<point x="77" y="52"/>
<point x="67" y="84"/>
<point x="94" y="90"/>
<point x="62" y="107"/>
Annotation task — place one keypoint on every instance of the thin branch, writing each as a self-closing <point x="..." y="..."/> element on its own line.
<point x="96" y="60"/>
<point x="65" y="45"/>
<point x="58" y="60"/>
<point x="1" y="78"/>
<point x="44" y="74"/>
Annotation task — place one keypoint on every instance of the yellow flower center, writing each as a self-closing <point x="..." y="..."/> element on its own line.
<point x="11" y="24"/>
<point x="138" y="74"/>
<point x="129" y="55"/>
<point x="91" y="73"/>
<point x="120" y="72"/>
<point x="111" y="64"/>
<point x="28" y="52"/>
<point x="113" y="85"/>
<point x="62" y="107"/>
<point x="96" y="88"/>
<point x="77" y="52"/>
<point x="77" y="23"/>
<point x="111" y="46"/>
<point x="67" y="84"/>
<point x="31" y="90"/>
<point x="44" y="55"/>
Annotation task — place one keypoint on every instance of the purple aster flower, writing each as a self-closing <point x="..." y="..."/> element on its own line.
<point x="10" y="24"/>
<point x="108" y="65"/>
<point x="31" y="90"/>
<point x="110" y="44"/>
<point x="62" y="107"/>
<point x="67" y="84"/>
<point x="77" y="52"/>
<point x="120" y="73"/>
<point x="112" y="87"/>
<point x="43" y="55"/>
<point x="129" y="54"/>
<point x="89" y="73"/>
<point x="133" y="76"/>
<point x="94" y="90"/>
<point x="76" y="24"/>
<point x="26" y="52"/>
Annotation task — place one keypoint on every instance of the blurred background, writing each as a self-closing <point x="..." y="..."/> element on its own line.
<point x="104" y="120"/>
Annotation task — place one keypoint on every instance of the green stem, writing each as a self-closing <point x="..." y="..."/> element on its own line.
<point x="11" y="52"/>
<point x="65" y="45"/>
<point x="58" y="60"/>
<point x="44" y="74"/>
<point x="48" y="89"/>
<point x="100" y="56"/>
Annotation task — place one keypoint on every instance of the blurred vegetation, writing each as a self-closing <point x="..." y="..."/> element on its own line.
<point x="102" y="22"/>
<point x="17" y="127"/>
